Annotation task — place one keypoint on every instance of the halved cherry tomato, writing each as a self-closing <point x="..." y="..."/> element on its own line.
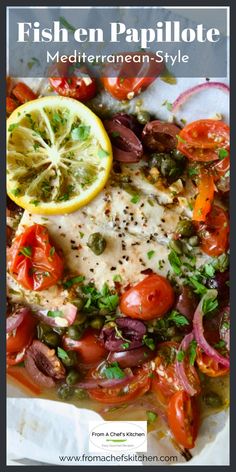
<point x="209" y="366"/>
<point x="165" y="381"/>
<point x="219" y="168"/>
<point x="33" y="260"/>
<point x="137" y="386"/>
<point x="204" y="198"/>
<point x="81" y="86"/>
<point x="11" y="105"/>
<point x="201" y="140"/>
<point x="183" y="419"/>
<point x="23" y="93"/>
<point x="214" y="233"/>
<point x="20" y="339"/>
<point x="151" y="298"/>
<point x="89" y="347"/>
<point x="127" y="80"/>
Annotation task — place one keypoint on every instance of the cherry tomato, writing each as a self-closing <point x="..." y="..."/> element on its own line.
<point x="139" y="385"/>
<point x="164" y="381"/>
<point x="204" y="198"/>
<point x="11" y="105"/>
<point x="91" y="350"/>
<point x="149" y="299"/>
<point x="214" y="233"/>
<point x="183" y="419"/>
<point x="23" y="93"/>
<point x="20" y="339"/>
<point x="201" y="140"/>
<point x="127" y="80"/>
<point x="33" y="260"/>
<point x="74" y="82"/>
<point x="209" y="366"/>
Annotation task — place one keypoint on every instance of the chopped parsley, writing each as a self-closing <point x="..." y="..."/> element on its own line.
<point x="80" y="133"/>
<point x="125" y="345"/>
<point x="178" y="319"/>
<point x="102" y="153"/>
<point x="114" y="371"/>
<point x="209" y="305"/>
<point x="62" y="354"/>
<point x="150" y="254"/>
<point x="74" y="280"/>
<point x="167" y="104"/>
<point x="55" y="314"/>
<point x="135" y="199"/>
<point x="52" y="251"/>
<point x="200" y="289"/>
<point x="66" y="24"/>
<point x="117" y="278"/>
<point x="175" y="262"/>
<point x="26" y="251"/>
<point x="151" y="416"/>
<point x="222" y="153"/>
<point x="192" y="351"/>
<point x="180" y="356"/>
<point x="105" y="300"/>
<point x="13" y="126"/>
<point x="149" y="342"/>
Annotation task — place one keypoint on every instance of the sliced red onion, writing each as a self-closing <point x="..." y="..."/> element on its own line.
<point x="197" y="88"/>
<point x="69" y="312"/>
<point x="180" y="367"/>
<point x="199" y="331"/>
<point x="105" y="383"/>
<point x="13" y="321"/>
<point x="225" y="327"/>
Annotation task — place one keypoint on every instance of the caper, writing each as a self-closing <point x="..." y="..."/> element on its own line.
<point x="70" y="360"/>
<point x="143" y="117"/>
<point x="193" y="241"/>
<point x="177" y="246"/>
<point x="80" y="394"/>
<point x="78" y="302"/>
<point x="42" y="330"/>
<point x="169" y="165"/>
<point x="80" y="318"/>
<point x="96" y="243"/>
<point x="64" y="392"/>
<point x="52" y="339"/>
<point x="74" y="332"/>
<point x="97" y="322"/>
<point x="212" y="399"/>
<point x="185" y="228"/>
<point x="72" y="377"/>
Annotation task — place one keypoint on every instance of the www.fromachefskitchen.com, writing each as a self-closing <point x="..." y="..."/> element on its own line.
<point x="118" y="458"/>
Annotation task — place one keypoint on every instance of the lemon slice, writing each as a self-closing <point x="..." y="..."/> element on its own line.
<point x="59" y="155"/>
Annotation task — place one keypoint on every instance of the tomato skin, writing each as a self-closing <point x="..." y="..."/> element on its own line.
<point x="183" y="419"/>
<point x="126" y="82"/>
<point x="151" y="298"/>
<point x="202" y="139"/>
<point x="209" y="366"/>
<point x="214" y="233"/>
<point x="41" y="269"/>
<point x="20" y="339"/>
<point x="89" y="347"/>
<point x="114" y="396"/>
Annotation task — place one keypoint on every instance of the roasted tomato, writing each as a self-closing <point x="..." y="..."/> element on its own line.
<point x="202" y="140"/>
<point x="23" y="93"/>
<point x="138" y="385"/>
<point x="33" y="260"/>
<point x="214" y="233"/>
<point x="164" y="380"/>
<point x="74" y="82"/>
<point x="126" y="80"/>
<point x="209" y="366"/>
<point x="90" y="348"/>
<point x="183" y="419"/>
<point x="19" y="340"/>
<point x="204" y="198"/>
<point x="149" y="299"/>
